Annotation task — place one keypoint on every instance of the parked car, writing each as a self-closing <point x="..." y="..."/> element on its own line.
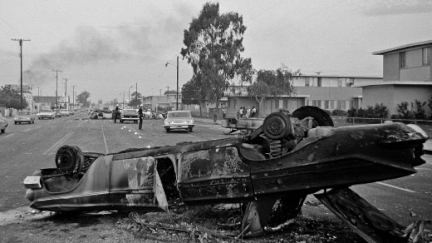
<point x="271" y="171"/>
<point x="179" y="120"/>
<point x="129" y="115"/>
<point x="64" y="112"/>
<point x="3" y="124"/>
<point x="71" y="112"/>
<point x="24" y="116"/>
<point x="46" y="114"/>
<point x="57" y="113"/>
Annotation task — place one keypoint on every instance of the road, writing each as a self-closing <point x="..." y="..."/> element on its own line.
<point x="26" y="148"/>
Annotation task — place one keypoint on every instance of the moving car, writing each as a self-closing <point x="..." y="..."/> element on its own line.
<point x="64" y="112"/>
<point x="179" y="120"/>
<point x="46" y="114"/>
<point x="270" y="170"/>
<point x="57" y="113"/>
<point x="24" y="116"/>
<point x="129" y="115"/>
<point x="3" y="124"/>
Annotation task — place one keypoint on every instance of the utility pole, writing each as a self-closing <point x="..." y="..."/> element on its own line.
<point x="57" y="71"/>
<point x="21" y="57"/>
<point x="73" y="98"/>
<point x="66" y="99"/>
<point x="177" y="81"/>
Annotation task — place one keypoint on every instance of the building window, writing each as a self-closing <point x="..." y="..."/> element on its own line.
<point x="319" y="82"/>
<point x="285" y="104"/>
<point x="276" y="103"/>
<point x="331" y="105"/>
<point x="425" y="56"/>
<point x="307" y="82"/>
<point x="326" y="104"/>
<point x="235" y="103"/>
<point x="402" y="59"/>
<point x="314" y="103"/>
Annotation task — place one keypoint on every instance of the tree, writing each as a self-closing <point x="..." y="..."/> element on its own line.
<point x="135" y="103"/>
<point x="82" y="98"/>
<point x="213" y="45"/>
<point x="271" y="83"/>
<point x="193" y="93"/>
<point x="170" y="92"/>
<point x="134" y="95"/>
<point x="11" y="98"/>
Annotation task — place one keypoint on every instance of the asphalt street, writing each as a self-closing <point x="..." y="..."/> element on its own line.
<point x="26" y="148"/>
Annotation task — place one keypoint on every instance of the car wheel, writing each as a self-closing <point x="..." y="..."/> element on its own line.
<point x="3" y="130"/>
<point x="167" y="130"/>
<point x="190" y="129"/>
<point x="15" y="123"/>
<point x="320" y="117"/>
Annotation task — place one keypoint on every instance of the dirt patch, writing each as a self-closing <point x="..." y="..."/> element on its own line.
<point x="208" y="224"/>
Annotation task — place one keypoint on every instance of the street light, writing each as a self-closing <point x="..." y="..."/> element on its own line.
<point x="166" y="65"/>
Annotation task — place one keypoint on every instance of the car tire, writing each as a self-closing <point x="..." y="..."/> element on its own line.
<point x="321" y="118"/>
<point x="15" y="123"/>
<point x="3" y="130"/>
<point x="190" y="129"/>
<point x="167" y="130"/>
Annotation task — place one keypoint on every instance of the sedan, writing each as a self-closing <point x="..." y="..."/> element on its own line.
<point x="129" y="115"/>
<point x="64" y="112"/>
<point x="179" y="120"/>
<point x="24" y="116"/>
<point x="3" y="124"/>
<point x="46" y="114"/>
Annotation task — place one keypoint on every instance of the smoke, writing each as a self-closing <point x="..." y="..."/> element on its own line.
<point x="143" y="39"/>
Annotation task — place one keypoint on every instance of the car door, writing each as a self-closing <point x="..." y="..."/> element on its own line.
<point x="214" y="175"/>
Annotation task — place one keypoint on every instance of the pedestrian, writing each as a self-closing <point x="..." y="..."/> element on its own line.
<point x="224" y="111"/>
<point x="116" y="114"/>
<point x="215" y="115"/>
<point x="248" y="111"/>
<point x="241" y="112"/>
<point x="244" y="111"/>
<point x="141" y="117"/>
<point x="253" y="111"/>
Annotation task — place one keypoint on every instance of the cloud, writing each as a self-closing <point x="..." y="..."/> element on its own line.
<point x="394" y="7"/>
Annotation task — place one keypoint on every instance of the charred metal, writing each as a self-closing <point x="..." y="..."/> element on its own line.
<point x="271" y="169"/>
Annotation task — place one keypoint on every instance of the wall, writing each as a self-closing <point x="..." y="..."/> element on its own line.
<point x="384" y="94"/>
<point x="416" y="74"/>
<point x="391" y="67"/>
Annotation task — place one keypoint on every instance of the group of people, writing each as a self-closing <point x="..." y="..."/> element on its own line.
<point x="246" y="112"/>
<point x="140" y="115"/>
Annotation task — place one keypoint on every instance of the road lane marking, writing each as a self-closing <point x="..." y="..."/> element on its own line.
<point x="10" y="135"/>
<point x="104" y="138"/>
<point x="58" y="143"/>
<point x="420" y="168"/>
<point x="396" y="187"/>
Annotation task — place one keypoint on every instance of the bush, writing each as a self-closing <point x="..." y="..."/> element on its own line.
<point x="339" y="113"/>
<point x="420" y="112"/>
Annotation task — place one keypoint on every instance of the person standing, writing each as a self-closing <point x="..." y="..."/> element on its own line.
<point x="253" y="111"/>
<point x="224" y="111"/>
<point x="141" y="117"/>
<point x="241" y="112"/>
<point x="248" y="111"/>
<point x="116" y="114"/>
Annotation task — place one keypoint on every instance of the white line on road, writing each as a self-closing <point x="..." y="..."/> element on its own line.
<point x="103" y="133"/>
<point x="395" y="187"/>
<point x="421" y="168"/>
<point x="10" y="135"/>
<point x="58" y="143"/>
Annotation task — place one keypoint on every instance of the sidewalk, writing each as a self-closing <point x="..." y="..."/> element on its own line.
<point x="427" y="147"/>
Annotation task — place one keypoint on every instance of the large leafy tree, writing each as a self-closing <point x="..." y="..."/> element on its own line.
<point x="135" y="102"/>
<point x="11" y="98"/>
<point x="214" y="43"/>
<point x="272" y="83"/>
<point x="82" y="98"/>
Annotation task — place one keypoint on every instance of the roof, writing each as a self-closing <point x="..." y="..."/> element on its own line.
<point x="398" y="83"/>
<point x="423" y="43"/>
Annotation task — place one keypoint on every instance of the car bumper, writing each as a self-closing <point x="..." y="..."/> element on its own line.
<point x="179" y="126"/>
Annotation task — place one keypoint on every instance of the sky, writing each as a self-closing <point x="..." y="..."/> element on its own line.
<point x="111" y="48"/>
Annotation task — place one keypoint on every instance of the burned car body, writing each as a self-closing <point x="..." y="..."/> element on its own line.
<point x="285" y="159"/>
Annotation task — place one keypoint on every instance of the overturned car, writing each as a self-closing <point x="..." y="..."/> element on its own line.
<point x="285" y="159"/>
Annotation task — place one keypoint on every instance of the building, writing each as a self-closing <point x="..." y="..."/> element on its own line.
<point x="326" y="92"/>
<point x="162" y="102"/>
<point x="407" y="77"/>
<point x="45" y="102"/>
